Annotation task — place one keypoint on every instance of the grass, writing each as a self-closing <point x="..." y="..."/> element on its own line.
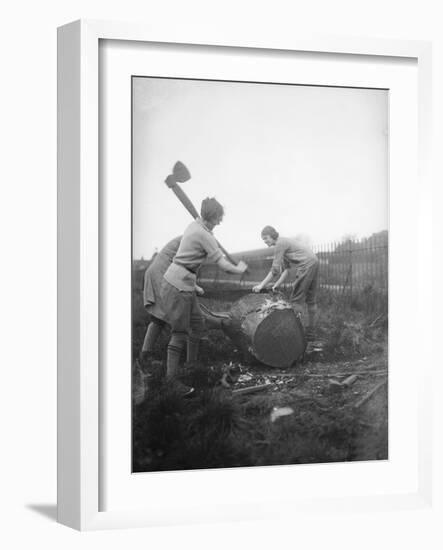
<point x="218" y="429"/>
<point x="176" y="434"/>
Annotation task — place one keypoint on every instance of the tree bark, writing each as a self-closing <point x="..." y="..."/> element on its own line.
<point x="265" y="328"/>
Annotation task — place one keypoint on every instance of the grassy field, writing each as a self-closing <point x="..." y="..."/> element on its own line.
<point x="304" y="414"/>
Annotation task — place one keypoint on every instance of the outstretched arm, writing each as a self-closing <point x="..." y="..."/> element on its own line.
<point x="277" y="265"/>
<point x="265" y="281"/>
<point x="227" y="266"/>
<point x="281" y="279"/>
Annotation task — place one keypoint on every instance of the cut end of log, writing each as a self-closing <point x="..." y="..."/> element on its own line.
<point x="279" y="339"/>
<point x="270" y="330"/>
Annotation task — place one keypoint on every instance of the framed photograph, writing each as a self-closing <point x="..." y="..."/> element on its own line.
<point x="241" y="276"/>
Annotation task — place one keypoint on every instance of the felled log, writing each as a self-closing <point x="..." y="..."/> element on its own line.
<point x="266" y="328"/>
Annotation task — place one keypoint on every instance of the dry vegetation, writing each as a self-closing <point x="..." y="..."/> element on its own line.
<point x="221" y="428"/>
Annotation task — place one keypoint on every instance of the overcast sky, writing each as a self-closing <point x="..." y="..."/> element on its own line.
<point x="307" y="160"/>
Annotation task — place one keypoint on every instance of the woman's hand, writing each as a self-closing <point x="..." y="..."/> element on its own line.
<point x="242" y="266"/>
<point x="199" y="291"/>
<point x="257" y="288"/>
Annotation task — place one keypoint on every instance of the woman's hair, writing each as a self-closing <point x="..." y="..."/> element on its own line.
<point x="269" y="230"/>
<point x="211" y="209"/>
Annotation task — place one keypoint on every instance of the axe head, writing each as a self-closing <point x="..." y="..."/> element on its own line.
<point x="180" y="172"/>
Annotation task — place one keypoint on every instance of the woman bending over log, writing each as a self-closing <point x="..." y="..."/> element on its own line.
<point x="291" y="253"/>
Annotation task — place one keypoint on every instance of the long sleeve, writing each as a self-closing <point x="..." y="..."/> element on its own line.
<point x="279" y="255"/>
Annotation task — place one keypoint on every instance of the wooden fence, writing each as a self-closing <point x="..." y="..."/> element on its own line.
<point x="344" y="266"/>
<point x="354" y="264"/>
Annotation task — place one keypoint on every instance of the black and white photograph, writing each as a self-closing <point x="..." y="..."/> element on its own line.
<point x="222" y="275"/>
<point x="260" y="238"/>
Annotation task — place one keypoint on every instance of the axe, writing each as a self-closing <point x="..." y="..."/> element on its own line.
<point x="180" y="174"/>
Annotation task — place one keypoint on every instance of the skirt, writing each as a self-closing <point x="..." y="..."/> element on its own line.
<point x="181" y="310"/>
<point x="152" y="286"/>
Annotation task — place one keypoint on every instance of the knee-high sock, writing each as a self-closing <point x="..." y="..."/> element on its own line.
<point x="193" y="347"/>
<point x="176" y="345"/>
<point x="152" y="333"/>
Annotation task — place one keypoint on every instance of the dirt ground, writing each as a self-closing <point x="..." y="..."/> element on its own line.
<point x="253" y="415"/>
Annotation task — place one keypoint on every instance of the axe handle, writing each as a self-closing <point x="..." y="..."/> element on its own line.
<point x="184" y="199"/>
<point x="226" y="253"/>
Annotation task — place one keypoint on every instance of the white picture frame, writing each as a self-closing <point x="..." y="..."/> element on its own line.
<point x="79" y="204"/>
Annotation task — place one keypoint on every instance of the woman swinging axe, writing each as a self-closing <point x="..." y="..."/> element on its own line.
<point x="178" y="289"/>
<point x="153" y="304"/>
